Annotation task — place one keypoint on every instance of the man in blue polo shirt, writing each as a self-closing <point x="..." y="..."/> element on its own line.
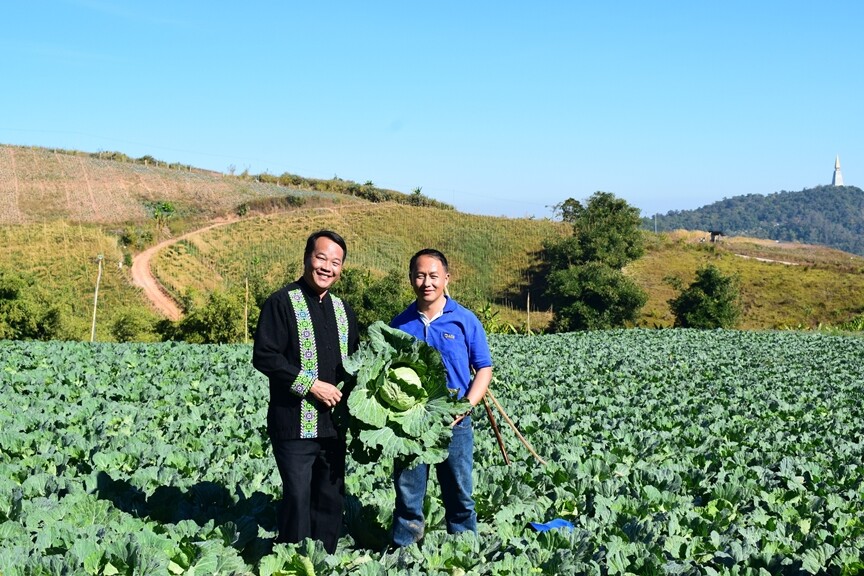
<point x="458" y="335"/>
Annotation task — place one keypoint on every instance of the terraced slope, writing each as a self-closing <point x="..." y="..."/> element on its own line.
<point x="38" y="184"/>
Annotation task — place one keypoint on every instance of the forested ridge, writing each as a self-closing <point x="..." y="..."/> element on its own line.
<point x="828" y="215"/>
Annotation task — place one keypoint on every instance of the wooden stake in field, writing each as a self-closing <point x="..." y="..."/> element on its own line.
<point x="96" y="298"/>
<point x="246" y="314"/>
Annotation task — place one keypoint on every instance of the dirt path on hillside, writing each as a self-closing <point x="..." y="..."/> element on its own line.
<point x="143" y="277"/>
<point x="767" y="260"/>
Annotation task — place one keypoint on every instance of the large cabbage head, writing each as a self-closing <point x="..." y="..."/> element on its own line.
<point x="399" y="405"/>
<point x="402" y="388"/>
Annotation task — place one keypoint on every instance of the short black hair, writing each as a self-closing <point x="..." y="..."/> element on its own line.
<point x="310" y="243"/>
<point x="437" y="254"/>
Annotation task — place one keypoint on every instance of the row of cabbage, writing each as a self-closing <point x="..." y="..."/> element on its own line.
<point x="670" y="452"/>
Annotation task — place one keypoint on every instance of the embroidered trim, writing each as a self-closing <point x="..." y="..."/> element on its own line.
<point x="341" y="325"/>
<point x="309" y="356"/>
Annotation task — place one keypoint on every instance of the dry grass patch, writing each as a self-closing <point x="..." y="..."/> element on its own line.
<point x="39" y="184"/>
<point x="63" y="258"/>
<point x="822" y="286"/>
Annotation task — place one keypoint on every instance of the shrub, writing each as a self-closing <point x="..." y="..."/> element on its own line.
<point x="594" y="296"/>
<point x="712" y="300"/>
<point x="374" y="298"/>
<point x="270" y="204"/>
<point x="26" y="311"/>
<point x="219" y="321"/>
<point x="131" y="327"/>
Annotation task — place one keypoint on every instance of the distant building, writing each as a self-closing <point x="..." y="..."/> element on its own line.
<point x="837" y="180"/>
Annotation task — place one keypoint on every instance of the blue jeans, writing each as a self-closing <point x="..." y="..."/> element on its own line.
<point x="454" y="476"/>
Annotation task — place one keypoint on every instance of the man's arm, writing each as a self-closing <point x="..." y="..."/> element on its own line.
<point x="479" y="355"/>
<point x="479" y="385"/>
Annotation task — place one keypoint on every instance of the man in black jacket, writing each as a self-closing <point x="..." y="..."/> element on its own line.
<point x="303" y="335"/>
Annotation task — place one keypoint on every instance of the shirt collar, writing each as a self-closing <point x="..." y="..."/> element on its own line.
<point x="310" y="293"/>
<point x="449" y="305"/>
<point x="426" y="320"/>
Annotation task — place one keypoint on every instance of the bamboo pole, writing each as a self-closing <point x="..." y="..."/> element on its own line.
<point x="516" y="430"/>
<point x="497" y="431"/>
<point x="96" y="299"/>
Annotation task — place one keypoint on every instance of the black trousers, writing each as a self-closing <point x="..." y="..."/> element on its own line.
<point x="313" y="489"/>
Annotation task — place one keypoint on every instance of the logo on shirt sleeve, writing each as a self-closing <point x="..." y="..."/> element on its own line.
<point x="449" y="336"/>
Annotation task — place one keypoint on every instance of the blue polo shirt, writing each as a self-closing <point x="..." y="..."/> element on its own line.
<point x="457" y="334"/>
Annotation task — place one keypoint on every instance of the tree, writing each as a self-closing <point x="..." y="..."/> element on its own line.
<point x="416" y="198"/>
<point x="605" y="229"/>
<point x="594" y="296"/>
<point x="162" y="212"/>
<point x="830" y="215"/>
<point x="26" y="311"/>
<point x="712" y="300"/>
<point x="219" y="321"/>
<point x="131" y="327"/>
<point x="586" y="285"/>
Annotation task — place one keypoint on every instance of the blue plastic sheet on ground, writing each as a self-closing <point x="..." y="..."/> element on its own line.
<point x="556" y="523"/>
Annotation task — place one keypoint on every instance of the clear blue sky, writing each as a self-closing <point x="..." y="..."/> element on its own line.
<point x="501" y="108"/>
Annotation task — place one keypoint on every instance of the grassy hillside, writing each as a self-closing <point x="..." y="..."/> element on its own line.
<point x="495" y="254"/>
<point x="782" y="284"/>
<point x="59" y="210"/>
<point x="490" y="258"/>
<point x="63" y="258"/>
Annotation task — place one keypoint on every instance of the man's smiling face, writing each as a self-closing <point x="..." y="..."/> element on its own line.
<point x="324" y="266"/>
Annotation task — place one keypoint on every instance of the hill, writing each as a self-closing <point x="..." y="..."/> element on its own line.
<point x="61" y="209"/>
<point x="41" y="184"/>
<point x="495" y="260"/>
<point x="492" y="259"/>
<point x="828" y="215"/>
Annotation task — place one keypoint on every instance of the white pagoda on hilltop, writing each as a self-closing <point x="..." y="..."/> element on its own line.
<point x="837" y="180"/>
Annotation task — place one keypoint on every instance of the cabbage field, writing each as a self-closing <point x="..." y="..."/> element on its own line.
<point x="669" y="451"/>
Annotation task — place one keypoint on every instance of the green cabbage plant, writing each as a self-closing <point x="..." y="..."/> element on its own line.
<point x="399" y="406"/>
